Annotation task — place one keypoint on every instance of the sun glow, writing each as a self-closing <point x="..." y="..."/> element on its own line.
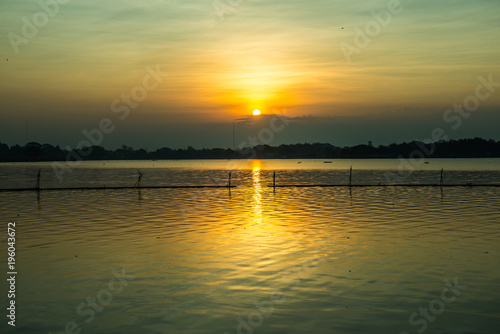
<point x="256" y="112"/>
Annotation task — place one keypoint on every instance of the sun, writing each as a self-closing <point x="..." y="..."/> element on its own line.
<point x="256" y="112"/>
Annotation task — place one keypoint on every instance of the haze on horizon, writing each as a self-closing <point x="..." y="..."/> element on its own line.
<point x="303" y="61"/>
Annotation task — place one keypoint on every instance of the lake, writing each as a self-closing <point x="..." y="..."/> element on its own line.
<point x="299" y="260"/>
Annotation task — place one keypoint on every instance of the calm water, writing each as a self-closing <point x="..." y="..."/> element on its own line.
<point x="301" y="260"/>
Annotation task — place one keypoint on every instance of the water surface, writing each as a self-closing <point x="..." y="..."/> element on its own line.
<point x="301" y="260"/>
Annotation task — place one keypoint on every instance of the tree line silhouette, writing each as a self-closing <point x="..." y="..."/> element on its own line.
<point x="461" y="148"/>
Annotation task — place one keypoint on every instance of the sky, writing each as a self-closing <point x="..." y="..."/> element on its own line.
<point x="172" y="73"/>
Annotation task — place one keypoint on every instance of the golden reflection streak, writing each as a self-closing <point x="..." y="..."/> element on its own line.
<point x="257" y="191"/>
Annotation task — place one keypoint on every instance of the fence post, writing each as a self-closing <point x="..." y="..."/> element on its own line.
<point x="38" y="180"/>
<point x="441" y="180"/>
<point x="350" y="177"/>
<point x="274" y="182"/>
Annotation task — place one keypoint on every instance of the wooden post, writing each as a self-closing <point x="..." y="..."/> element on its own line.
<point x="441" y="181"/>
<point x="350" y="177"/>
<point x="138" y="183"/>
<point x="38" y="180"/>
<point x="274" y="182"/>
<point x="229" y="181"/>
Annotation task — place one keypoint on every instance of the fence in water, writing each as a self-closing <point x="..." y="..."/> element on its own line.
<point x="274" y="185"/>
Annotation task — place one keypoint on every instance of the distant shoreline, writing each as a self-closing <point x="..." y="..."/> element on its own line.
<point x="222" y="159"/>
<point x="451" y="149"/>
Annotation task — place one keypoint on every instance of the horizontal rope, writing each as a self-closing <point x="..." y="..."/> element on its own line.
<point x="111" y="188"/>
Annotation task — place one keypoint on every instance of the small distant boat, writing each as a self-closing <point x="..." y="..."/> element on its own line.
<point x="427" y="162"/>
<point x="327" y="162"/>
<point x="299" y="162"/>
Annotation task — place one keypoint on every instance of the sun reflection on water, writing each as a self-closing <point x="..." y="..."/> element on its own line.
<point x="257" y="191"/>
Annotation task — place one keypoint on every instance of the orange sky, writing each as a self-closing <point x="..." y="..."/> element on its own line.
<point x="319" y="59"/>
